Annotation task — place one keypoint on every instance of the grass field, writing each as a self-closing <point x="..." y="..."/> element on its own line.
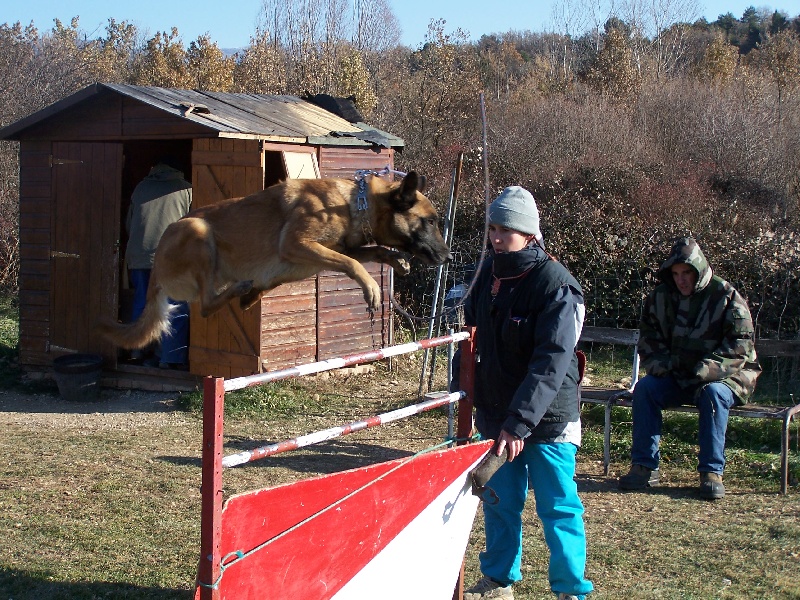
<point x="102" y="501"/>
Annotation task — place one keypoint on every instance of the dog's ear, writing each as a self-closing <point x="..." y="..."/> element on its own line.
<point x="406" y="195"/>
<point x="421" y="180"/>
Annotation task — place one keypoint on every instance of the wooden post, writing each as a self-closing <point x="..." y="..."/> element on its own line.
<point x="467" y="385"/>
<point x="209" y="569"/>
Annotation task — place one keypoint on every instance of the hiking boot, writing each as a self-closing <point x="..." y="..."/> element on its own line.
<point x="711" y="487"/>
<point x="563" y="596"/>
<point x="488" y="588"/>
<point x="639" y="478"/>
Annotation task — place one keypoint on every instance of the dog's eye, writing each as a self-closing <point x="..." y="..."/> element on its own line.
<point x="431" y="222"/>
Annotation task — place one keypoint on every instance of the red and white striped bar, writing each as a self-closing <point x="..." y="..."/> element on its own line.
<point x="441" y="399"/>
<point x="239" y="383"/>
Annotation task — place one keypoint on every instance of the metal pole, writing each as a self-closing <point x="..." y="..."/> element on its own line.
<point x="450" y="407"/>
<point x="448" y="239"/>
<point x="438" y="282"/>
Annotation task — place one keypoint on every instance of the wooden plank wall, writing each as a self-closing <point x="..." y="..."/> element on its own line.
<point x="34" y="237"/>
<point x="343" y="324"/>
<point x="289" y="325"/>
<point x="341" y="161"/>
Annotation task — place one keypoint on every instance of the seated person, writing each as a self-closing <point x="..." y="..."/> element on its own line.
<point x="696" y="344"/>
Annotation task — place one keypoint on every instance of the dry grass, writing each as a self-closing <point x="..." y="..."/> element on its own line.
<point x="102" y="501"/>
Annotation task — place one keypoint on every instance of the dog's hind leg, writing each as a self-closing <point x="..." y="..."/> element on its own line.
<point x="186" y="266"/>
<point x="250" y="298"/>
<point x="211" y="301"/>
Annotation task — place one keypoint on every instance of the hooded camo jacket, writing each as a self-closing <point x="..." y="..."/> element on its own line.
<point x="701" y="338"/>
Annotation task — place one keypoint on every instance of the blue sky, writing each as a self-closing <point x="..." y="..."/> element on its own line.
<point x="230" y="23"/>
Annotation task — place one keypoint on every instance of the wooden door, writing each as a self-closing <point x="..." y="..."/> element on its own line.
<point x="84" y="251"/>
<point x="227" y="343"/>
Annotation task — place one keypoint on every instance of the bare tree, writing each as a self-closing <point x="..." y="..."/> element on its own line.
<point x="376" y="27"/>
<point x="660" y="28"/>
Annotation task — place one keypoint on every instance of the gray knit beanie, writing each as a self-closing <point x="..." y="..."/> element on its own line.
<point x="515" y="209"/>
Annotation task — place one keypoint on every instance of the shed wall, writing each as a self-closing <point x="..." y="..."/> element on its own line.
<point x="344" y="326"/>
<point x="34" y="240"/>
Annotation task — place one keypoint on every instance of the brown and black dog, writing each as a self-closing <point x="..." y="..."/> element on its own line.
<point x="292" y="230"/>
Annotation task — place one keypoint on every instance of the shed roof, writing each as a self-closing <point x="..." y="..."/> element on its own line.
<point x="276" y="118"/>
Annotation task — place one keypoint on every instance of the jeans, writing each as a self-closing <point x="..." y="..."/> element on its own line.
<point x="174" y="345"/>
<point x="654" y="394"/>
<point x="549" y="470"/>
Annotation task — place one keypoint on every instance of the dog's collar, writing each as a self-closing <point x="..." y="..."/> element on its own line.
<point x="361" y="179"/>
<point x="361" y="196"/>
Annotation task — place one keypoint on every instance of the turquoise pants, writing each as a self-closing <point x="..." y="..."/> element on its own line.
<point x="549" y="470"/>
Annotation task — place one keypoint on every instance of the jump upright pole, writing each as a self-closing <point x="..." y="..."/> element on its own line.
<point x="209" y="570"/>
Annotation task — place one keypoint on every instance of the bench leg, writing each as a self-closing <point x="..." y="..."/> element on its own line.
<point x="787" y="421"/>
<point x="607" y="440"/>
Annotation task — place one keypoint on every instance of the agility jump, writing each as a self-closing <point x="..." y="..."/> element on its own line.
<point x="348" y="535"/>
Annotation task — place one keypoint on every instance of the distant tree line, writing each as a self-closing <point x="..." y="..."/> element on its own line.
<point x="630" y="127"/>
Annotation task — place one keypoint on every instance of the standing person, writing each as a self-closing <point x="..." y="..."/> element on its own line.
<point x="159" y="200"/>
<point x="696" y="344"/>
<point x="528" y="312"/>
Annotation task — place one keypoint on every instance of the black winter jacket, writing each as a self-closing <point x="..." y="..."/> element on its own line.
<point x="526" y="379"/>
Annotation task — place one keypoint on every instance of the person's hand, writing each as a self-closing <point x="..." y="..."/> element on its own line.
<point x="511" y="443"/>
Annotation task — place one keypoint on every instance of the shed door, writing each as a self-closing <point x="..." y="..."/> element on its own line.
<point x="84" y="251"/>
<point x="225" y="344"/>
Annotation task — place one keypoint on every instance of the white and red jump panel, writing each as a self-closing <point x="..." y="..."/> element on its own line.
<point x="381" y="531"/>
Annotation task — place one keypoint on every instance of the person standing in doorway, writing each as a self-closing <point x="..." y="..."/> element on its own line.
<point x="160" y="199"/>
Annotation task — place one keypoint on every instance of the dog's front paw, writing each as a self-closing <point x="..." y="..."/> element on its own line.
<point x="372" y="295"/>
<point x="403" y="267"/>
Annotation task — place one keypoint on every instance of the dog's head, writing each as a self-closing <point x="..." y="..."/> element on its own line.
<point x="412" y="224"/>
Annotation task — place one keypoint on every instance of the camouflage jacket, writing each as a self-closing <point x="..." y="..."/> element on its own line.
<point x="702" y="338"/>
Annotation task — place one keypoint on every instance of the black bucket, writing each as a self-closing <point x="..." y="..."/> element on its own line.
<point x="78" y="376"/>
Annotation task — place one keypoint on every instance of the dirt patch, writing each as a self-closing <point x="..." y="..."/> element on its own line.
<point x="123" y="410"/>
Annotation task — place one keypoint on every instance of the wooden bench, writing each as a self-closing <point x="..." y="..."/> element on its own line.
<point x="622" y="397"/>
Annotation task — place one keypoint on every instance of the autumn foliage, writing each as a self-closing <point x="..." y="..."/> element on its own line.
<point x="639" y="129"/>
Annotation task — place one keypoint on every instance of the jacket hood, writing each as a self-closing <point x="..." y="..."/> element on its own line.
<point x="686" y="251"/>
<point x="163" y="172"/>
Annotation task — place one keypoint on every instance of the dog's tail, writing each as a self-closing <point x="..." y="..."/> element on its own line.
<point x="154" y="320"/>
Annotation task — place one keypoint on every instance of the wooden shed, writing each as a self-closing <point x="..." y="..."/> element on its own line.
<point x="80" y="159"/>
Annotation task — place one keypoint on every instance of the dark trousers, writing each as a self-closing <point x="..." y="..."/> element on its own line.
<point x="174" y="344"/>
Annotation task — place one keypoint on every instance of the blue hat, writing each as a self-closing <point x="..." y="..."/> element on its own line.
<point x="515" y="208"/>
